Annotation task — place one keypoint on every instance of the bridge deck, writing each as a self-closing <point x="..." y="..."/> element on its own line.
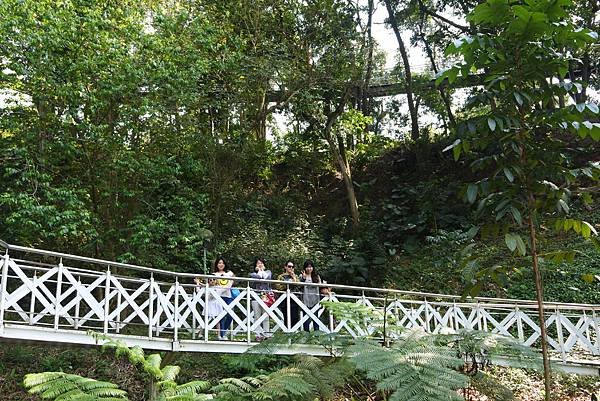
<point x="55" y="297"/>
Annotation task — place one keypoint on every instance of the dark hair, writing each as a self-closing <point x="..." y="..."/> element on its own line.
<point x="257" y="259"/>
<point x="217" y="260"/>
<point x="314" y="276"/>
<point x="287" y="262"/>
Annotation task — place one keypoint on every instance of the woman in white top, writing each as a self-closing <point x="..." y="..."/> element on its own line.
<point x="220" y="269"/>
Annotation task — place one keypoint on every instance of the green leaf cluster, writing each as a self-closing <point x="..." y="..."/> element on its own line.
<point x="68" y="387"/>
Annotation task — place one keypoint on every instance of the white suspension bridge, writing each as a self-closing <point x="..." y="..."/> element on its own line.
<point x="54" y="297"/>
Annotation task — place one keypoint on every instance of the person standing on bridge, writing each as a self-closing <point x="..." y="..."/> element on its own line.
<point x="220" y="269"/>
<point x="293" y="311"/>
<point x="311" y="295"/>
<point x="264" y="289"/>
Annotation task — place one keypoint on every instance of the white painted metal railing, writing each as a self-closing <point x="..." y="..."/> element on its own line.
<point x="58" y="297"/>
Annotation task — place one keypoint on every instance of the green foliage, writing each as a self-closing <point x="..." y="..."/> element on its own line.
<point x="517" y="134"/>
<point x="415" y="365"/>
<point x="67" y="387"/>
<point x="489" y="386"/>
<point x="414" y="368"/>
<point x="36" y="210"/>
<point x="306" y="379"/>
<point x="353" y="260"/>
<point x="414" y="211"/>
<point x="565" y="280"/>
<point x="478" y="349"/>
<point x="254" y="363"/>
<point x="521" y="150"/>
<point x="163" y="386"/>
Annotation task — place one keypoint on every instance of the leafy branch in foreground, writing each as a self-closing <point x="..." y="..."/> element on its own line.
<point x="522" y="134"/>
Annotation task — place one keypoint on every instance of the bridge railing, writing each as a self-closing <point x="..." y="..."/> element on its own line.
<point x="59" y="291"/>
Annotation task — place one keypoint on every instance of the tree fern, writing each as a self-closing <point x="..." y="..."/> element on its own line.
<point x="191" y="391"/>
<point x="170" y="372"/>
<point x="480" y="348"/>
<point x="60" y="386"/>
<point x="193" y="387"/>
<point x="68" y="387"/>
<point x="304" y="380"/>
<point x="413" y="368"/>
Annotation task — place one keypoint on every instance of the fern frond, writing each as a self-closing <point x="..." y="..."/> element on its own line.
<point x="289" y="384"/>
<point x="234" y="386"/>
<point x="154" y="360"/>
<point x="193" y="387"/>
<point x="483" y="347"/>
<point x="413" y="368"/>
<point x="197" y="397"/>
<point x="68" y="387"/>
<point x="136" y="355"/>
<point x="256" y="381"/>
<point x="167" y="386"/>
<point x="170" y="372"/>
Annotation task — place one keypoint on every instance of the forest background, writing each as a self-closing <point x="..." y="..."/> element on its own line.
<point x="148" y="132"/>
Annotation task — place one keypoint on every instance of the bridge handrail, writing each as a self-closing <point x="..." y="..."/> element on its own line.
<point x="521" y="303"/>
<point x="488" y="305"/>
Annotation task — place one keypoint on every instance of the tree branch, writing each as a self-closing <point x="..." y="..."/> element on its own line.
<point x="435" y="15"/>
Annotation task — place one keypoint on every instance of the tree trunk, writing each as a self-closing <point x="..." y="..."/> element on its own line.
<point x="443" y="94"/>
<point x="341" y="159"/>
<point x="585" y="76"/>
<point x="539" y="292"/>
<point x="347" y="178"/>
<point x="365" y="109"/>
<point x="261" y="119"/>
<point x="152" y="390"/>
<point x="407" y="74"/>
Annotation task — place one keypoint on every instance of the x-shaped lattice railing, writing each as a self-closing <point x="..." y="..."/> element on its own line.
<point x="56" y="296"/>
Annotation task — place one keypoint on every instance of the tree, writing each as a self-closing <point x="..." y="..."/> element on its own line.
<point x="111" y="120"/>
<point x="414" y="114"/>
<point x="517" y="135"/>
<point x="337" y="68"/>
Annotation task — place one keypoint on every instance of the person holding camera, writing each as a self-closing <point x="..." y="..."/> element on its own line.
<point x="266" y="295"/>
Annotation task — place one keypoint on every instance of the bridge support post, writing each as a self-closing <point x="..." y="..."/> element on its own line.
<point x="77" y="306"/>
<point x="248" y="311"/>
<point x="3" y="288"/>
<point x="520" y="332"/>
<point x="57" y="294"/>
<point x="176" y="313"/>
<point x="288" y="308"/>
<point x="597" y="326"/>
<point x="427" y="320"/>
<point x="559" y="333"/>
<point x="206" y="289"/>
<point x="106" y="301"/>
<point x="150" y="305"/>
<point x="118" y="317"/>
<point x="32" y="303"/>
